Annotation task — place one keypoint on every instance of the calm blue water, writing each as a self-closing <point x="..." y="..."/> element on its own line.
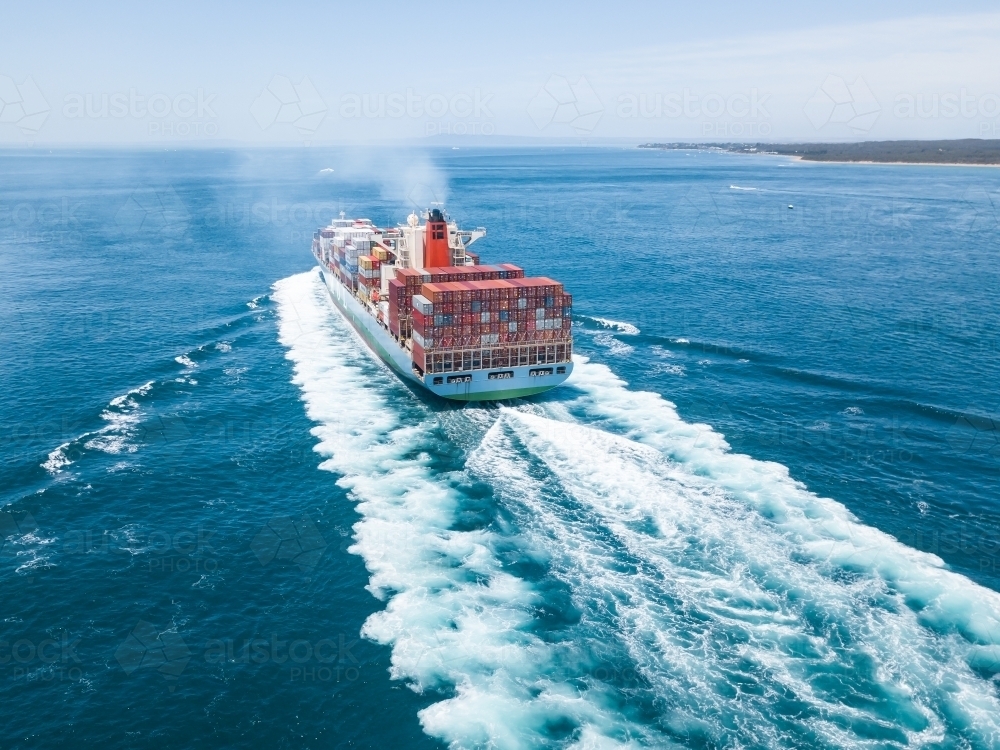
<point x="762" y="514"/>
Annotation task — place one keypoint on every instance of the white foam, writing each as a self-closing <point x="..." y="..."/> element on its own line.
<point x="625" y="328"/>
<point x="454" y="616"/>
<point x="669" y="369"/>
<point x="186" y="361"/>
<point x="699" y="569"/>
<point x="57" y="460"/>
<point x="737" y="187"/>
<point x="122" y="416"/>
<point x="28" y="548"/>
<point x="126" y="400"/>
<point x="613" y="345"/>
<point x="143" y="389"/>
<point x="706" y="591"/>
<point x="116" y="436"/>
<point x="921" y="623"/>
<point x="33" y="560"/>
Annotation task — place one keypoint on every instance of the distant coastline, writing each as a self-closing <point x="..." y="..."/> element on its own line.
<point x="964" y="152"/>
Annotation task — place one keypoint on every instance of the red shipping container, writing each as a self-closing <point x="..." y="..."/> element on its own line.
<point x="419" y="356"/>
<point x="407" y="276"/>
<point x="513" y="272"/>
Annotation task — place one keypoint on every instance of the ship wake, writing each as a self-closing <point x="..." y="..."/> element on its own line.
<point x="596" y="572"/>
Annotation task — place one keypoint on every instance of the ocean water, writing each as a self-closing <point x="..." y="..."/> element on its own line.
<point x="763" y="512"/>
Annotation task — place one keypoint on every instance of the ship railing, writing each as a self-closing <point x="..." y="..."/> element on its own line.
<point x="491" y="357"/>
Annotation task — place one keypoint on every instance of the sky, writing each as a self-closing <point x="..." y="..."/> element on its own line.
<point x="186" y="73"/>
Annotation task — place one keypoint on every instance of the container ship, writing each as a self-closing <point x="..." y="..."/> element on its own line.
<point x="423" y="303"/>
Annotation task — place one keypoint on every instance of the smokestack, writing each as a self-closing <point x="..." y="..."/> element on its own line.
<point x="436" y="250"/>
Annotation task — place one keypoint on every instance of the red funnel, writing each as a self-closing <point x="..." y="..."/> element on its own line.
<point x="436" y="250"/>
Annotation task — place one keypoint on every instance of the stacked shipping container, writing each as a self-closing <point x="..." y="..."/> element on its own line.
<point x="408" y="282"/>
<point x="401" y="291"/>
<point x="492" y="318"/>
<point x="369" y="277"/>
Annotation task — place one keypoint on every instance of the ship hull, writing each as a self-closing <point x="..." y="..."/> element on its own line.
<point x="479" y="386"/>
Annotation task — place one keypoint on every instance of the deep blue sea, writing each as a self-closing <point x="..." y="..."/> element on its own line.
<point x="763" y="513"/>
